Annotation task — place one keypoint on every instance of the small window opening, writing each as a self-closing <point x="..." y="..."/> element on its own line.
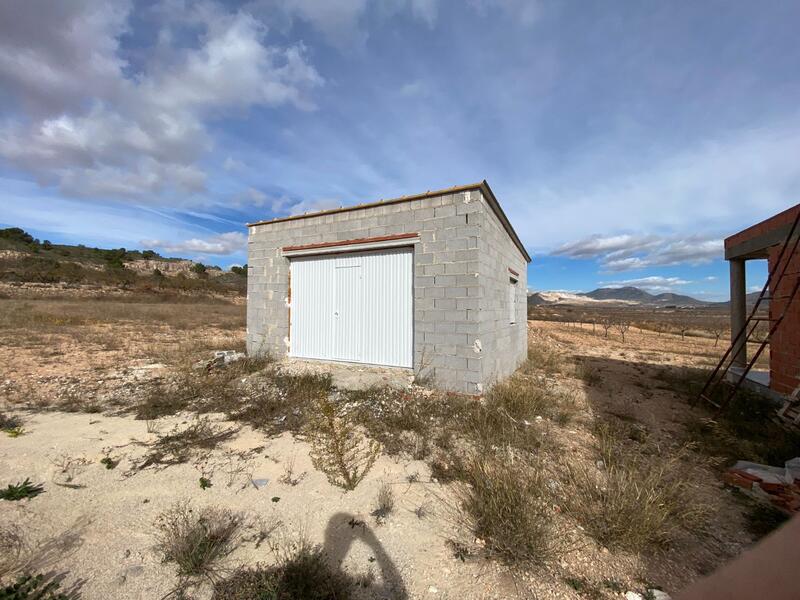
<point x="512" y="300"/>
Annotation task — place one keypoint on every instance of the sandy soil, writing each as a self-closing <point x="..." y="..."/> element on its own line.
<point x="99" y="527"/>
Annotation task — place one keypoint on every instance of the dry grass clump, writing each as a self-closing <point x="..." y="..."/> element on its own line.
<point x="162" y="399"/>
<point x="180" y="445"/>
<point x="588" y="374"/>
<point x="282" y="402"/>
<point x="216" y="390"/>
<point x="196" y="540"/>
<point x="338" y="448"/>
<point x="638" y="499"/>
<point x="301" y="572"/>
<point x="384" y="503"/>
<point x="524" y="398"/>
<point x="503" y="501"/>
<point x="745" y="430"/>
<point x="542" y="357"/>
<point x="406" y="420"/>
<point x="512" y="410"/>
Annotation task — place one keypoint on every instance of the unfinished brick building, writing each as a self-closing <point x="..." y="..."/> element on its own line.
<point x="764" y="241"/>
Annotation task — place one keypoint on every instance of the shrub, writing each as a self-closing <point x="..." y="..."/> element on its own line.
<point x="196" y="540"/>
<point x="502" y="501"/>
<point x="338" y="448"/>
<point x="22" y="490"/>
<point x="10" y="422"/>
<point x="302" y="572"/>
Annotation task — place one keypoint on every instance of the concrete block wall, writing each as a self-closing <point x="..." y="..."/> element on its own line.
<point x="504" y="345"/>
<point x="784" y="363"/>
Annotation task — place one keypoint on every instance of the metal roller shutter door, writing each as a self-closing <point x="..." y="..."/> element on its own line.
<point x="354" y="307"/>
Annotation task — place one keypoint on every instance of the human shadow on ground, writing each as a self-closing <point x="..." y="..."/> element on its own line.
<point x="342" y="531"/>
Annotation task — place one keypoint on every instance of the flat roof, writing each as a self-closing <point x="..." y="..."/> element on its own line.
<point x="483" y="186"/>
<point x="756" y="240"/>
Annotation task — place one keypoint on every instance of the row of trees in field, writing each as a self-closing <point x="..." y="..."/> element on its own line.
<point x="683" y="323"/>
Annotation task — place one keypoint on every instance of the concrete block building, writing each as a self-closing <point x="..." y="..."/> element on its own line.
<point x="434" y="282"/>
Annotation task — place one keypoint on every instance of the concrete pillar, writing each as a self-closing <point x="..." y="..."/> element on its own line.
<point x="738" y="310"/>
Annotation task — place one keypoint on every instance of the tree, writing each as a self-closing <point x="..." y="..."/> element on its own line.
<point x="622" y="327"/>
<point x="17" y="235"/>
<point x="606" y="324"/>
<point x="716" y="331"/>
<point x="199" y="268"/>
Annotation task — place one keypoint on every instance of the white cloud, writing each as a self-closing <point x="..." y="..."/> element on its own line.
<point x="711" y="184"/>
<point x="653" y="283"/>
<point x="224" y="243"/>
<point x="628" y="252"/>
<point x="95" y="127"/>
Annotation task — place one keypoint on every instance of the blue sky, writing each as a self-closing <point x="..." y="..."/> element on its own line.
<point x="624" y="140"/>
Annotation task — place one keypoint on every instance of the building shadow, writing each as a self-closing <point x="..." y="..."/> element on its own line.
<point x="654" y="407"/>
<point x="342" y="531"/>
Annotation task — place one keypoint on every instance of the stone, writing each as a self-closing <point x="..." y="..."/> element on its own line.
<point x="633" y="596"/>
<point x="260" y="483"/>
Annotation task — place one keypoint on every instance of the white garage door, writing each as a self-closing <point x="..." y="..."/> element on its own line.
<point x="355" y="307"/>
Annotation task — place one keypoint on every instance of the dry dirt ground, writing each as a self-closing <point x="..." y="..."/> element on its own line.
<point x="69" y="368"/>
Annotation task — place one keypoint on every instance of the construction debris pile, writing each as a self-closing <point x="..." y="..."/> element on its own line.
<point x="780" y="486"/>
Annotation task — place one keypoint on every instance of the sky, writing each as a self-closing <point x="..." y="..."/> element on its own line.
<point x="624" y="140"/>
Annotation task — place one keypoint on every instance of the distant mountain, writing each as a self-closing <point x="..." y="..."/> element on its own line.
<point x="750" y="299"/>
<point x="640" y="296"/>
<point x="624" y="295"/>
<point x="678" y="300"/>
